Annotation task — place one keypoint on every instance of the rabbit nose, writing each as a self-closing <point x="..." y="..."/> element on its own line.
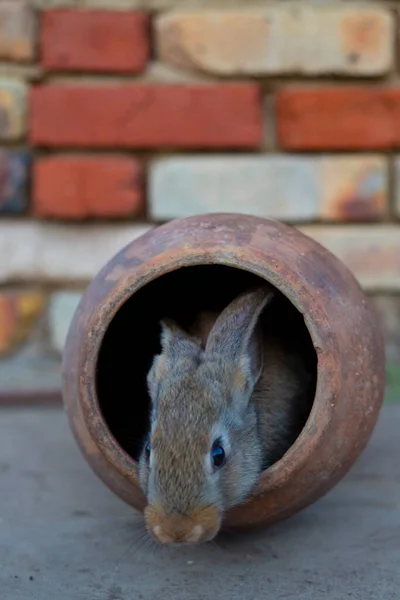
<point x="178" y="529"/>
<point x="178" y="536"/>
<point x="201" y="525"/>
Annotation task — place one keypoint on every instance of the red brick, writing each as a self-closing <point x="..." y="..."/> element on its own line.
<point x="91" y="40"/>
<point x="146" y="116"/>
<point x="332" y="118"/>
<point x="77" y="187"/>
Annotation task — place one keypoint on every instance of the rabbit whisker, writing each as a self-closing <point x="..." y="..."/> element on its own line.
<point x="214" y="543"/>
<point x="138" y="542"/>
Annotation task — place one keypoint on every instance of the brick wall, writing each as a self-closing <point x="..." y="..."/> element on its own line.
<point x="116" y="115"/>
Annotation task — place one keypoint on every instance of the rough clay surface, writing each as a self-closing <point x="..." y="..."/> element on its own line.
<point x="64" y="535"/>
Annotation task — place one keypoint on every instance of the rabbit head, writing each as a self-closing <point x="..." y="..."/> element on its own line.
<point x="203" y="455"/>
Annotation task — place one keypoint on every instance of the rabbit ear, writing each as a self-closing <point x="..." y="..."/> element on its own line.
<point x="176" y="345"/>
<point x="235" y="337"/>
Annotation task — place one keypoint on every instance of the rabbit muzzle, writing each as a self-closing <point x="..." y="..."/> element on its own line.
<point x="200" y="525"/>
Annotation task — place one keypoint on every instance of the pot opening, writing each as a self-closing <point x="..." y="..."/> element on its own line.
<point x="133" y="338"/>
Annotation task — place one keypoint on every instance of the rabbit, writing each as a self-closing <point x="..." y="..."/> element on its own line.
<point x="225" y="403"/>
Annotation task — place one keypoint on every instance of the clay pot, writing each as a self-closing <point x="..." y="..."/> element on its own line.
<point x="190" y="263"/>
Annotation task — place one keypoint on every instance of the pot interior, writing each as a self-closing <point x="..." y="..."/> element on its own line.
<point x="132" y="340"/>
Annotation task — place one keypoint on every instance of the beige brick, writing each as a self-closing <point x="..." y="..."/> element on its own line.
<point x="290" y="188"/>
<point x="40" y="251"/>
<point x="176" y="4"/>
<point x="302" y="39"/>
<point x="30" y="370"/>
<point x="19" y="311"/>
<point x="372" y="252"/>
<point x="146" y="4"/>
<point x="397" y="186"/>
<point x="56" y="3"/>
<point x="17" y="31"/>
<point x="388" y="309"/>
<point x="353" y="188"/>
<point x="12" y="109"/>
<point x="61" y="311"/>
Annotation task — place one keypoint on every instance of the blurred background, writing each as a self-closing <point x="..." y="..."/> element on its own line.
<point x="118" y="115"/>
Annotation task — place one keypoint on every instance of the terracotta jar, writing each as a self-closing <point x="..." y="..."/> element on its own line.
<point x="192" y="263"/>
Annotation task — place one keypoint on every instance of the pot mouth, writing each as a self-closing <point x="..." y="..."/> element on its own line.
<point x="98" y="361"/>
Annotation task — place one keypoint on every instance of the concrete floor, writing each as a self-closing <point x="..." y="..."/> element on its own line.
<point x="64" y="536"/>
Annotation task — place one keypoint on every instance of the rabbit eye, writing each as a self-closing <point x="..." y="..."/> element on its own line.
<point x="217" y="455"/>
<point x="148" y="450"/>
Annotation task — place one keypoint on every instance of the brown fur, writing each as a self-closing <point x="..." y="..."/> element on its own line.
<point x="225" y="380"/>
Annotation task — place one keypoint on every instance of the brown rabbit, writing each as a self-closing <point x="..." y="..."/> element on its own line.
<point x="225" y="405"/>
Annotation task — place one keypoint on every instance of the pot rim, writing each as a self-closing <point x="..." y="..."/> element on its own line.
<point x="324" y="404"/>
